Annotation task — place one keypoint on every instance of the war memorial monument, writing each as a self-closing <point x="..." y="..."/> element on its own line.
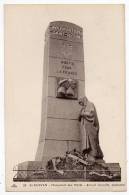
<point x="68" y="148"/>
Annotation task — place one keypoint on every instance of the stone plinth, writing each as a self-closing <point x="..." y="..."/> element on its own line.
<point x="35" y="171"/>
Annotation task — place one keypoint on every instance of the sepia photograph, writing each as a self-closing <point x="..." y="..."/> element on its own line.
<point x="65" y="97"/>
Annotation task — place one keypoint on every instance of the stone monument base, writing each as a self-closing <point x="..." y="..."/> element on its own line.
<point x="69" y="168"/>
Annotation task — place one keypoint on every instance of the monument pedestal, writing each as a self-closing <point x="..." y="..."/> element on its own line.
<point x="71" y="167"/>
<point x="35" y="171"/>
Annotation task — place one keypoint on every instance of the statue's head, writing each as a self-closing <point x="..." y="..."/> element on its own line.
<point x="83" y="101"/>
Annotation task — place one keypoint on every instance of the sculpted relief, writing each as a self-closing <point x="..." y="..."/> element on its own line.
<point x="66" y="88"/>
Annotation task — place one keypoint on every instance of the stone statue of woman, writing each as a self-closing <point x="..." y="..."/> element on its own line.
<point x="89" y="127"/>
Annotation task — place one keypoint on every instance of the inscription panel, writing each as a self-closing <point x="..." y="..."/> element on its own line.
<point x="63" y="108"/>
<point x="66" y="31"/>
<point x="65" y="130"/>
<point x="66" y="68"/>
<point x="66" y="49"/>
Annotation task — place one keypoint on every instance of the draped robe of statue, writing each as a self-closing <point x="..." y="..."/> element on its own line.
<point x="89" y="127"/>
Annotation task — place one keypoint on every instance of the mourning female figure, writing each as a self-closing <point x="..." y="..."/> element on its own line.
<point x="89" y="127"/>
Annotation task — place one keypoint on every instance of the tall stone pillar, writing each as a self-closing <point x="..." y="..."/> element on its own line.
<point x="63" y="85"/>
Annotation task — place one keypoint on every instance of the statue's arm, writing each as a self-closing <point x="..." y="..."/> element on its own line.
<point x="96" y="121"/>
<point x="80" y="115"/>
